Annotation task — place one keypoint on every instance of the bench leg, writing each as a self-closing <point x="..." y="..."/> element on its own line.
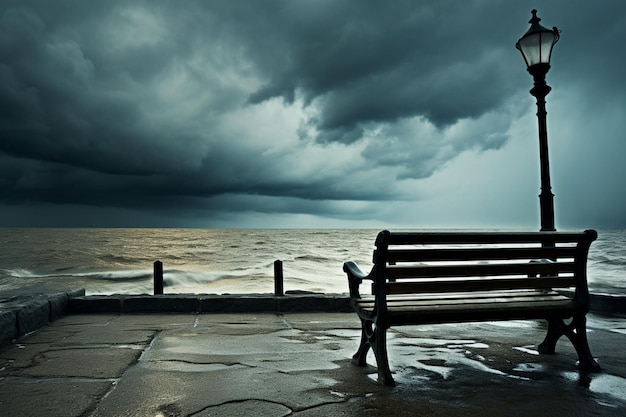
<point x="382" y="360"/>
<point x="576" y="332"/>
<point x="374" y="337"/>
<point x="360" y="356"/>
<point x="555" y="331"/>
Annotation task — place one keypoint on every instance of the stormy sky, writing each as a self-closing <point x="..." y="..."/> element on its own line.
<point x="317" y="113"/>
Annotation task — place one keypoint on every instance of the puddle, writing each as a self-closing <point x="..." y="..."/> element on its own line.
<point x="514" y="324"/>
<point x="530" y="367"/>
<point x="443" y="357"/>
<point x="338" y="394"/>
<point x="608" y="324"/>
<point x="527" y="349"/>
<point x="347" y="333"/>
<point x="412" y="341"/>
<point x="180" y="366"/>
<point x="470" y="345"/>
<point x="606" y="384"/>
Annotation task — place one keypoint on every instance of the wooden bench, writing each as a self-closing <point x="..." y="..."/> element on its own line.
<point x="427" y="278"/>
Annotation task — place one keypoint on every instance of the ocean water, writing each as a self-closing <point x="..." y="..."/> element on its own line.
<point x="109" y="261"/>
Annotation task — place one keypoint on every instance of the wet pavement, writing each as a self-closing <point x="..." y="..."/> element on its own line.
<point x="298" y="364"/>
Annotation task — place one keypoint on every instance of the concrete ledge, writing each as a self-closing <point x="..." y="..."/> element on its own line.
<point x="22" y="313"/>
<point x="255" y="303"/>
<point x="314" y="303"/>
<point x="94" y="304"/>
<point x="32" y="315"/>
<point x="160" y="303"/>
<point x="208" y="303"/>
<point x="237" y="303"/>
<point x="58" y="305"/>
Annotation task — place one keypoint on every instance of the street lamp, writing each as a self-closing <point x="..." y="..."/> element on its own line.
<point x="536" y="47"/>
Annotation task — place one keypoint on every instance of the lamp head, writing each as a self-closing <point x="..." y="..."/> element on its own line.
<point x="536" y="45"/>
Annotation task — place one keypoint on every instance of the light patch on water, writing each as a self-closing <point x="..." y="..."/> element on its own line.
<point x="442" y="371"/>
<point x="527" y="349"/>
<point x="180" y="366"/>
<point x="530" y="367"/>
<point x="515" y="324"/>
<point x="476" y="345"/>
<point x="607" y="384"/>
<point x="348" y="333"/>
<point x="608" y="324"/>
<point x="434" y="342"/>
<point x="618" y="330"/>
<point x="445" y="358"/>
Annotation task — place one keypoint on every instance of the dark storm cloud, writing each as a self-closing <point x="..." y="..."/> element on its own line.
<point x="372" y="62"/>
<point x="233" y="105"/>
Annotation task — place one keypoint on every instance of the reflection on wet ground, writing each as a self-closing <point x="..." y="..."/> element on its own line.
<point x="299" y="365"/>
<point x="612" y="385"/>
<point x="422" y="360"/>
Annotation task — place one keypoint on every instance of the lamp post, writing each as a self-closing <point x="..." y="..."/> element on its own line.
<point x="536" y="48"/>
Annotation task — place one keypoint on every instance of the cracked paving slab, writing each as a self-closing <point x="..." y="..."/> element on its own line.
<point x="299" y="364"/>
<point x="281" y="366"/>
<point x="50" y="396"/>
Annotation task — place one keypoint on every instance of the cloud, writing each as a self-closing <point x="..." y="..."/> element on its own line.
<point x="327" y="108"/>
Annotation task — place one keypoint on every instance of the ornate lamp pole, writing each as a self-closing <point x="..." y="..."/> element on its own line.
<point x="536" y="48"/>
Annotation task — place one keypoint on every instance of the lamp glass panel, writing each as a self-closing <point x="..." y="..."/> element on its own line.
<point x="530" y="47"/>
<point x="547" y="41"/>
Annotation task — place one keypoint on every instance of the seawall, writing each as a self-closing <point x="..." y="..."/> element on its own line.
<point x="21" y="313"/>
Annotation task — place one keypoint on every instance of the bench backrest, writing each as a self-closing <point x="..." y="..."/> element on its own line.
<point x="429" y="262"/>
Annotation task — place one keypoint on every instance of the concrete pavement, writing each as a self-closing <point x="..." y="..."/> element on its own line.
<point x="298" y="364"/>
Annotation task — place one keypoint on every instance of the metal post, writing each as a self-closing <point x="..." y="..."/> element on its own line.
<point x="546" y="198"/>
<point x="158" y="277"/>
<point x="278" y="278"/>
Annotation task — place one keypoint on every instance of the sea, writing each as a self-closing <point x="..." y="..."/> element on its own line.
<point x="219" y="261"/>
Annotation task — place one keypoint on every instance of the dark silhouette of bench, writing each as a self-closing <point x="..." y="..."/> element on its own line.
<point x="455" y="277"/>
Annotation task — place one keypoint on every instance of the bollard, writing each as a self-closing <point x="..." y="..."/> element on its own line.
<point x="158" y="277"/>
<point x="278" y="278"/>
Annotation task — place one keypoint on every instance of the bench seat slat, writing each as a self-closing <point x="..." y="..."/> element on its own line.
<point x="473" y="254"/>
<point x="402" y="303"/>
<point x="480" y="284"/>
<point x="475" y="297"/>
<point x="484" y="312"/>
<point x="479" y="270"/>
<point x="498" y="238"/>
<point x="478" y="310"/>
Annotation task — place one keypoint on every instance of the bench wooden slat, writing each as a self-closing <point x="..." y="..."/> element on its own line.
<point x="480" y="284"/>
<point x="441" y="301"/>
<point x="473" y="254"/>
<point x="476" y="310"/>
<point x="487" y="238"/>
<point x="490" y="311"/>
<point x="479" y="270"/>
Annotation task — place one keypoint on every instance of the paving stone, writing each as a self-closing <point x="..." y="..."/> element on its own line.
<point x="50" y="397"/>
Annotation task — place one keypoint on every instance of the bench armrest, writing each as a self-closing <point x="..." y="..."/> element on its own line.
<point x="355" y="277"/>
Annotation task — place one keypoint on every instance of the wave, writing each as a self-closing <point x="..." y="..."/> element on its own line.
<point x="312" y="258"/>
<point x="19" y="273"/>
<point x="107" y="261"/>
